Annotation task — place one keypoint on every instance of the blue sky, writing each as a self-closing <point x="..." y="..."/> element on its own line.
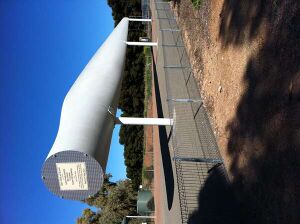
<point x="44" y="45"/>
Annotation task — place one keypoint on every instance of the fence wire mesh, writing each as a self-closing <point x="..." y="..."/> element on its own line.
<point x="195" y="150"/>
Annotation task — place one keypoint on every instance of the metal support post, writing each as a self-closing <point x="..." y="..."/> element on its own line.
<point x="184" y="100"/>
<point x="139" y="20"/>
<point x="144" y="121"/>
<point x="141" y="43"/>
<point x="140" y="216"/>
<point x="175" y="66"/>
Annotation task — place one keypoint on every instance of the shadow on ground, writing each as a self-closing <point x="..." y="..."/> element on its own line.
<point x="264" y="140"/>
<point x="241" y="20"/>
<point x="163" y="138"/>
<point x="217" y="202"/>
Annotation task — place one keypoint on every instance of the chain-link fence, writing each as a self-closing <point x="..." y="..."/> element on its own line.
<point x="195" y="150"/>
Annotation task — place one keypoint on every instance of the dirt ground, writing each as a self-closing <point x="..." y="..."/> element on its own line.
<point x="148" y="160"/>
<point x="218" y="69"/>
<point x="245" y="57"/>
<point x="148" y="133"/>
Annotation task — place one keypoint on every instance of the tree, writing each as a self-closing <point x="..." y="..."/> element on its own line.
<point x="99" y="200"/>
<point x="118" y="202"/>
<point x="88" y="217"/>
<point x="132" y="91"/>
<point x="121" y="202"/>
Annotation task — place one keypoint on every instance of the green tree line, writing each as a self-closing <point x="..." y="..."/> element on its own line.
<point x="132" y="92"/>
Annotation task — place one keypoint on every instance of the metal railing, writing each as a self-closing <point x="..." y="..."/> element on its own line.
<point x="195" y="150"/>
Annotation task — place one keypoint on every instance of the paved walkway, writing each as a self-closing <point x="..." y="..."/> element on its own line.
<point x="167" y="202"/>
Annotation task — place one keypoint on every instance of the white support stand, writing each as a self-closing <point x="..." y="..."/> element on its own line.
<point x="140" y="217"/>
<point x="144" y="121"/>
<point x="141" y="43"/>
<point x="139" y="20"/>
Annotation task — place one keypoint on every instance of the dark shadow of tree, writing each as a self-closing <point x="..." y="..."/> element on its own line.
<point x="264" y="137"/>
<point x="240" y="20"/>
<point x="217" y="202"/>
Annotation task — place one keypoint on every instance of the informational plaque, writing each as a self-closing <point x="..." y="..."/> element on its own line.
<point x="72" y="176"/>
